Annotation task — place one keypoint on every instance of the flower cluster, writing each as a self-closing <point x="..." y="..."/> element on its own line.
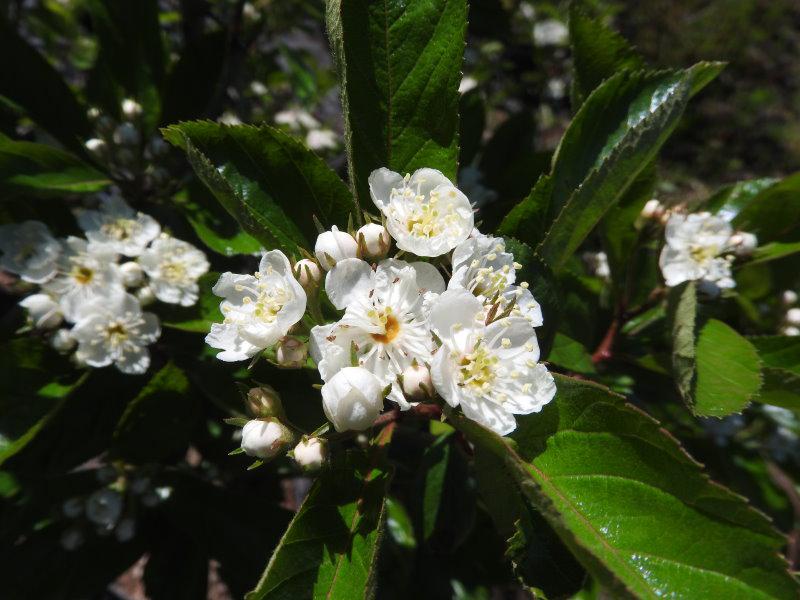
<point x="82" y="281"/>
<point x="403" y="331"/>
<point x="702" y="247"/>
<point x="301" y="122"/>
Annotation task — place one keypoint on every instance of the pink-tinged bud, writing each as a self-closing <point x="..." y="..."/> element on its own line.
<point x="307" y="273"/>
<point x="292" y="353"/>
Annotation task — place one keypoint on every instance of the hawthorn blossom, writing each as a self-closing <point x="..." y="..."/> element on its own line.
<point x="696" y="249"/>
<point x="384" y="323"/>
<point x="28" y="250"/>
<point x="85" y="273"/>
<point x="490" y="371"/>
<point x="258" y="309"/>
<point x="425" y="213"/>
<point x="173" y="268"/>
<point x="115" y="330"/>
<point x="116" y="228"/>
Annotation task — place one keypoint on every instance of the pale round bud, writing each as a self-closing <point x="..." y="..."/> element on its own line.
<point x="132" y="273"/>
<point x="311" y="453"/>
<point x="145" y="295"/>
<point x="126" y="134"/>
<point x="62" y="341"/>
<point x="131" y="108"/>
<point x="307" y="273"/>
<point x="265" y="438"/>
<point x="96" y="146"/>
<point x="125" y="530"/>
<point x="333" y="246"/>
<point x="789" y="298"/>
<point x="93" y="113"/>
<point x="71" y="539"/>
<point x="43" y="311"/>
<point x="743" y="243"/>
<point x="417" y="384"/>
<point x="352" y="399"/>
<point x="375" y="242"/>
<point x="104" y="507"/>
<point x="292" y="353"/>
<point x="793" y="316"/>
<point x="653" y="209"/>
<point x="790" y="331"/>
<point x="264" y="401"/>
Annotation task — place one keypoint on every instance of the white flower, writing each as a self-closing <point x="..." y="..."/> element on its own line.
<point x="296" y="119"/>
<point x="373" y="240"/>
<point x="29" y="251"/>
<point x="482" y="266"/>
<point x="116" y="228"/>
<point x="291" y="353"/>
<point x="490" y="371"/>
<point x="352" y="399"/>
<point x="131" y="108"/>
<point x="333" y="246"/>
<point x="96" y="146"/>
<point x="550" y="32"/>
<point x="265" y="438"/>
<point x="793" y="316"/>
<point x="789" y="297"/>
<point x="132" y="274"/>
<point x="85" y="273"/>
<point x="692" y="251"/>
<point x="425" y="213"/>
<point x="652" y="210"/>
<point x="311" y="453"/>
<point x="790" y="331"/>
<point x="173" y="267"/>
<point x="417" y="384"/>
<point x="384" y="323"/>
<point x="43" y="311"/>
<point x="115" y="330"/>
<point x="62" y="341"/>
<point x="597" y="264"/>
<point x="258" y="309"/>
<point x="321" y="139"/>
<point x="307" y="273"/>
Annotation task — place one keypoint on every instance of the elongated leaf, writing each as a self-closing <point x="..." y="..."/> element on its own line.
<point x="331" y="547"/>
<point x="40" y="170"/>
<point x="774" y="251"/>
<point x="780" y="357"/>
<point x="780" y="387"/>
<point x="615" y="135"/>
<point x="728" y="371"/>
<point x="200" y="316"/>
<point x="682" y="313"/>
<point x="634" y="508"/>
<point x="774" y="213"/>
<point x="778" y="351"/>
<point x="528" y="219"/>
<point x="571" y="354"/>
<point x="597" y="53"/>
<point x="266" y="179"/>
<point x="399" y="67"/>
<point x="729" y="200"/>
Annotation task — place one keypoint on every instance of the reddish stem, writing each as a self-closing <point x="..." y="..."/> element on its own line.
<point x="604" y="350"/>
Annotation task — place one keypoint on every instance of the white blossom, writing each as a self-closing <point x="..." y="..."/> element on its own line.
<point x="333" y="246"/>
<point x="695" y="250"/>
<point x="116" y="228"/>
<point x="425" y="213"/>
<point x="352" y="399"/>
<point x="550" y="32"/>
<point x="789" y="297"/>
<point x="793" y="316"/>
<point x="384" y="322"/>
<point x="259" y="309"/>
<point x="63" y="341"/>
<point x="173" y="268"/>
<point x="311" y="453"/>
<point x="28" y="250"/>
<point x="85" y="273"/>
<point x="44" y="312"/>
<point x="490" y="371"/>
<point x="296" y="119"/>
<point x="322" y="139"/>
<point x="131" y="108"/>
<point x="96" y="146"/>
<point x="115" y="330"/>
<point x="467" y="83"/>
<point x="265" y="438"/>
<point x="373" y="240"/>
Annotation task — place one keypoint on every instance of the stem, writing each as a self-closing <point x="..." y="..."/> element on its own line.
<point x="604" y="350"/>
<point x="784" y="482"/>
<point x="426" y="411"/>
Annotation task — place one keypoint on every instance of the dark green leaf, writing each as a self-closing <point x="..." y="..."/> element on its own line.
<point x="570" y="354"/>
<point x="201" y="315"/>
<point x="528" y="219"/>
<point x="781" y="388"/>
<point x="606" y="477"/>
<point x="729" y="200"/>
<point x="399" y="66"/>
<point x="266" y="179"/>
<point x="780" y="352"/>
<point x="681" y="314"/>
<point x="774" y="213"/>
<point x="774" y="251"/>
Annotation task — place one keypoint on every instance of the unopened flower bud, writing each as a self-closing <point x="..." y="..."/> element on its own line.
<point x="790" y="331"/>
<point x="333" y="246"/>
<point x="62" y="341"/>
<point x="310" y="453"/>
<point x="653" y="209"/>
<point x="743" y="243"/>
<point x="104" y="507"/>
<point x="264" y="401"/>
<point x="308" y="273"/>
<point x="96" y="146"/>
<point x="126" y="134"/>
<point x="373" y="241"/>
<point x="131" y="108"/>
<point x="417" y="384"/>
<point x="352" y="399"/>
<point x="265" y="438"/>
<point x="793" y="316"/>
<point x="132" y="273"/>
<point x="93" y="113"/>
<point x="145" y="295"/>
<point x="789" y="298"/>
<point x="43" y="311"/>
<point x="292" y="353"/>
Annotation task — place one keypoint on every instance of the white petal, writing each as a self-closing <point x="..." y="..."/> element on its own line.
<point x="492" y="415"/>
<point x="381" y="183"/>
<point x="429" y="279"/>
<point x="453" y="317"/>
<point x="134" y="361"/>
<point x="349" y="279"/>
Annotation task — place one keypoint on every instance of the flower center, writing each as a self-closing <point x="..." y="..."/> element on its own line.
<point x="702" y="254"/>
<point x="116" y="333"/>
<point x="173" y="272"/>
<point x="477" y="369"/>
<point x="82" y="274"/>
<point x="121" y="229"/>
<point x="391" y="327"/>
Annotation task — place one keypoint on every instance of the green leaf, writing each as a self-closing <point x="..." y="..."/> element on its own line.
<point x="729" y="200"/>
<point x="399" y="525"/>
<point x="780" y="387"/>
<point x="272" y="184"/>
<point x="774" y="251"/>
<point x="24" y="80"/>
<point x="157" y="423"/>
<point x="617" y="132"/>
<point x="217" y="229"/>
<point x="780" y="357"/>
<point x="632" y="506"/>
<point x="528" y="219"/>
<point x="728" y="371"/>
<point x="40" y="170"/>
<point x="681" y="314"/>
<point x="200" y="316"/>
<point x="570" y="354"/>
<point x="597" y="53"/>
<point x="330" y="549"/>
<point x="774" y="213"/>
<point x="434" y="472"/>
<point x="778" y="351"/>
<point x="399" y="67"/>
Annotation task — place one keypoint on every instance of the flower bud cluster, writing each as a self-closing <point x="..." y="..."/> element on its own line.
<point x="790" y="325"/>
